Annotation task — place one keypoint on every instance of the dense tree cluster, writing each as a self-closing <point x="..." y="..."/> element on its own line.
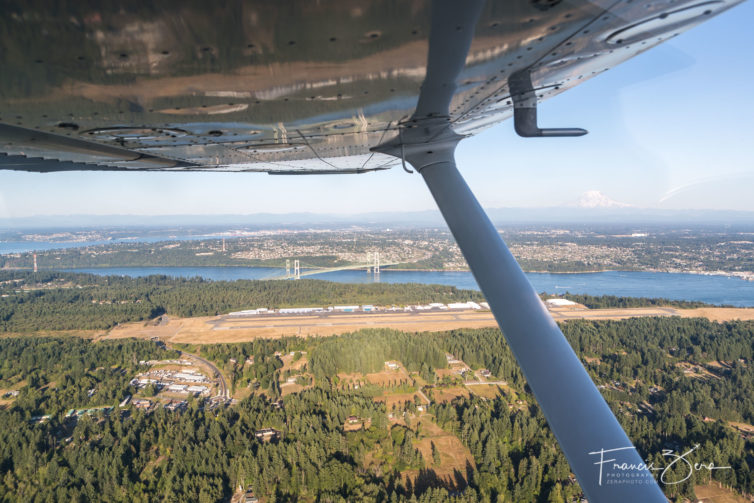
<point x="694" y="365"/>
<point x="368" y="350"/>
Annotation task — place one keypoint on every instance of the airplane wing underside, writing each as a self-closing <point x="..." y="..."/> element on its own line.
<point x="306" y="88"/>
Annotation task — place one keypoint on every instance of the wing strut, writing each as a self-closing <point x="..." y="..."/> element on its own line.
<point x="581" y="420"/>
<point x="585" y="427"/>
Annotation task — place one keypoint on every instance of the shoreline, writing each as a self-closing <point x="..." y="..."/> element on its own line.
<point x="743" y="275"/>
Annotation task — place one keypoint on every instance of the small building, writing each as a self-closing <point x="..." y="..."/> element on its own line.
<point x="392" y="365"/>
<point x="559" y="302"/>
<point x="368" y="308"/>
<point x="452" y="360"/>
<point x="464" y="305"/>
<point x="485" y="373"/>
<point x="346" y="309"/>
<point x="77" y="413"/>
<point x="190" y="377"/>
<point x="249" y="497"/>
<point x="301" y="310"/>
<point x="198" y="390"/>
<point x="176" y="405"/>
<point x="250" y="312"/>
<point x="141" y="403"/>
<point x="355" y="423"/>
<point x="267" y="434"/>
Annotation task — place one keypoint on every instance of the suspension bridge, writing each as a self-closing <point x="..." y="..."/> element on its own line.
<point x="372" y="264"/>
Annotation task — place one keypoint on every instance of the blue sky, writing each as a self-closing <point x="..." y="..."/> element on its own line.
<point x="671" y="129"/>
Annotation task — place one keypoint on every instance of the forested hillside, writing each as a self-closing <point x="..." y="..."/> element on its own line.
<point x="673" y="383"/>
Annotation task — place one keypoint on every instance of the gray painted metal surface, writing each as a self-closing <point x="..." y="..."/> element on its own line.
<point x="577" y="414"/>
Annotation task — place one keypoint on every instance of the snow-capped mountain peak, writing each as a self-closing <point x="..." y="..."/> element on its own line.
<point x="596" y="199"/>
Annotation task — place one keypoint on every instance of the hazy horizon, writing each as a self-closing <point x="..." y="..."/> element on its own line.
<point x="502" y="215"/>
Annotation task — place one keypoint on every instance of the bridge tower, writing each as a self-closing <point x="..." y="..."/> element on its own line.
<point x="376" y="266"/>
<point x="296" y="270"/>
<point x="35" y="262"/>
<point x="287" y="268"/>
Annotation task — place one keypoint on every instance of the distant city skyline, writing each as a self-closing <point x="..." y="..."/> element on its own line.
<point x="669" y="129"/>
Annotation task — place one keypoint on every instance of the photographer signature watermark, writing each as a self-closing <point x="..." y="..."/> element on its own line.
<point x="632" y="472"/>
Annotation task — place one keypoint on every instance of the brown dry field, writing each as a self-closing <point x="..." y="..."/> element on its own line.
<point x="219" y="329"/>
<point x="711" y="493"/>
<point x="387" y="377"/>
<point x="447" y="373"/>
<point x="486" y="391"/>
<point x="288" y="389"/>
<point x="448" y="394"/>
<point x="83" y="334"/>
<point x="742" y="426"/>
<point x="395" y="398"/>
<point x="718" y="313"/>
<point x="454" y="456"/>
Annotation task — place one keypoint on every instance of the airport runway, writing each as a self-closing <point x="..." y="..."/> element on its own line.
<point x="229" y="329"/>
<point x="400" y="320"/>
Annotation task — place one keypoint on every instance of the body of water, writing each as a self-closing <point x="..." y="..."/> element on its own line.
<point x="30" y="246"/>
<point x="692" y="287"/>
